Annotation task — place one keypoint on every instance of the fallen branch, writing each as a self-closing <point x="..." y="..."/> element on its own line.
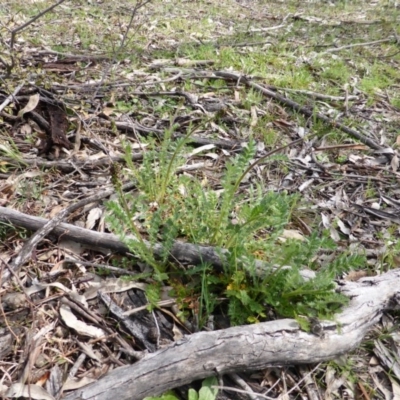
<point x="349" y="46"/>
<point x="10" y="98"/>
<point x="68" y="166"/>
<point x="253" y="347"/>
<point x="132" y="127"/>
<point x="46" y="229"/>
<point x="308" y="112"/>
<point x="186" y="253"/>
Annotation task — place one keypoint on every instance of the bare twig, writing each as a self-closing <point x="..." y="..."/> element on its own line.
<point x="315" y="95"/>
<point x="301" y="109"/>
<point x="247" y="389"/>
<point x="139" y="4"/>
<point x="47" y="228"/>
<point x="186" y="253"/>
<point x="19" y="28"/>
<point x="349" y="46"/>
<point x="10" y="98"/>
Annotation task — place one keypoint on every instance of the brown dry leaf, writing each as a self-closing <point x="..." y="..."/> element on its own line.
<point x="200" y="149"/>
<point x="108" y="111"/>
<point x="4" y="388"/>
<point x="25" y="129"/>
<point x="48" y="255"/>
<point x="395" y="163"/>
<point x="5" y="256"/>
<point x="386" y="392"/>
<point x="283" y="123"/>
<point x="177" y="333"/>
<point x="88" y="350"/>
<point x="58" y="266"/>
<point x="112" y="285"/>
<point x="75" y="383"/>
<point x="343" y="228"/>
<point x="332" y="384"/>
<point x="71" y="246"/>
<point x="387" y="357"/>
<point x="396" y="388"/>
<point x="14" y="300"/>
<point x="54" y="382"/>
<point x="55" y="210"/>
<point x="306" y="185"/>
<point x="254" y="118"/>
<point x="355" y="275"/>
<point x="38" y="286"/>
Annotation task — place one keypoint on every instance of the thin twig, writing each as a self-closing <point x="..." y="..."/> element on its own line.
<point x="241" y="382"/>
<point x="263" y="396"/>
<point x="19" y="28"/>
<point x="10" y="98"/>
<point x="315" y="95"/>
<point x="310" y="113"/>
<point x="349" y="46"/>
<point x="47" y="228"/>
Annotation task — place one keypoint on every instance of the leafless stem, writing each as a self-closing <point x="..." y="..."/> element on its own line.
<point x="349" y="46"/>
<point x="19" y="28"/>
<point x="10" y="98"/>
<point x="139" y="4"/>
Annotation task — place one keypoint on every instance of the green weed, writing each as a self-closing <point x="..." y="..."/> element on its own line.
<point x="168" y="206"/>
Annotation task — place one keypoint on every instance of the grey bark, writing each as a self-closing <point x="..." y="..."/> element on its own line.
<point x="253" y="347"/>
<point x="186" y="253"/>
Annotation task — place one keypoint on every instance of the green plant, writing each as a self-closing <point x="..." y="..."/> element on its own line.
<point x="244" y="227"/>
<point x="166" y="396"/>
<point x="156" y="181"/>
<point x="206" y="392"/>
<point x="8" y="148"/>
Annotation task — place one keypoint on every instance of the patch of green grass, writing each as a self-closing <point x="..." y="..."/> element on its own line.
<point x="9" y="231"/>
<point x="253" y="98"/>
<point x="206" y="392"/>
<point x="378" y="78"/>
<point x="395" y="102"/>
<point x="269" y="136"/>
<point x="337" y="71"/>
<point x="9" y="149"/>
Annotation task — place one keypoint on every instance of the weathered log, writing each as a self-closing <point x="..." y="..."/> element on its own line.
<point x="186" y="253"/>
<point x="253" y="347"/>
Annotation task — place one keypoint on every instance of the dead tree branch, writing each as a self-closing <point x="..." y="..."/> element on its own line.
<point x="253" y="347"/>
<point x="186" y="253"/>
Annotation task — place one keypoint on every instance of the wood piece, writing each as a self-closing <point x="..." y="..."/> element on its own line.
<point x="186" y="253"/>
<point x="67" y="166"/>
<point x="138" y="330"/>
<point x="132" y="127"/>
<point x="46" y="228"/>
<point x="308" y="112"/>
<point x="252" y="347"/>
